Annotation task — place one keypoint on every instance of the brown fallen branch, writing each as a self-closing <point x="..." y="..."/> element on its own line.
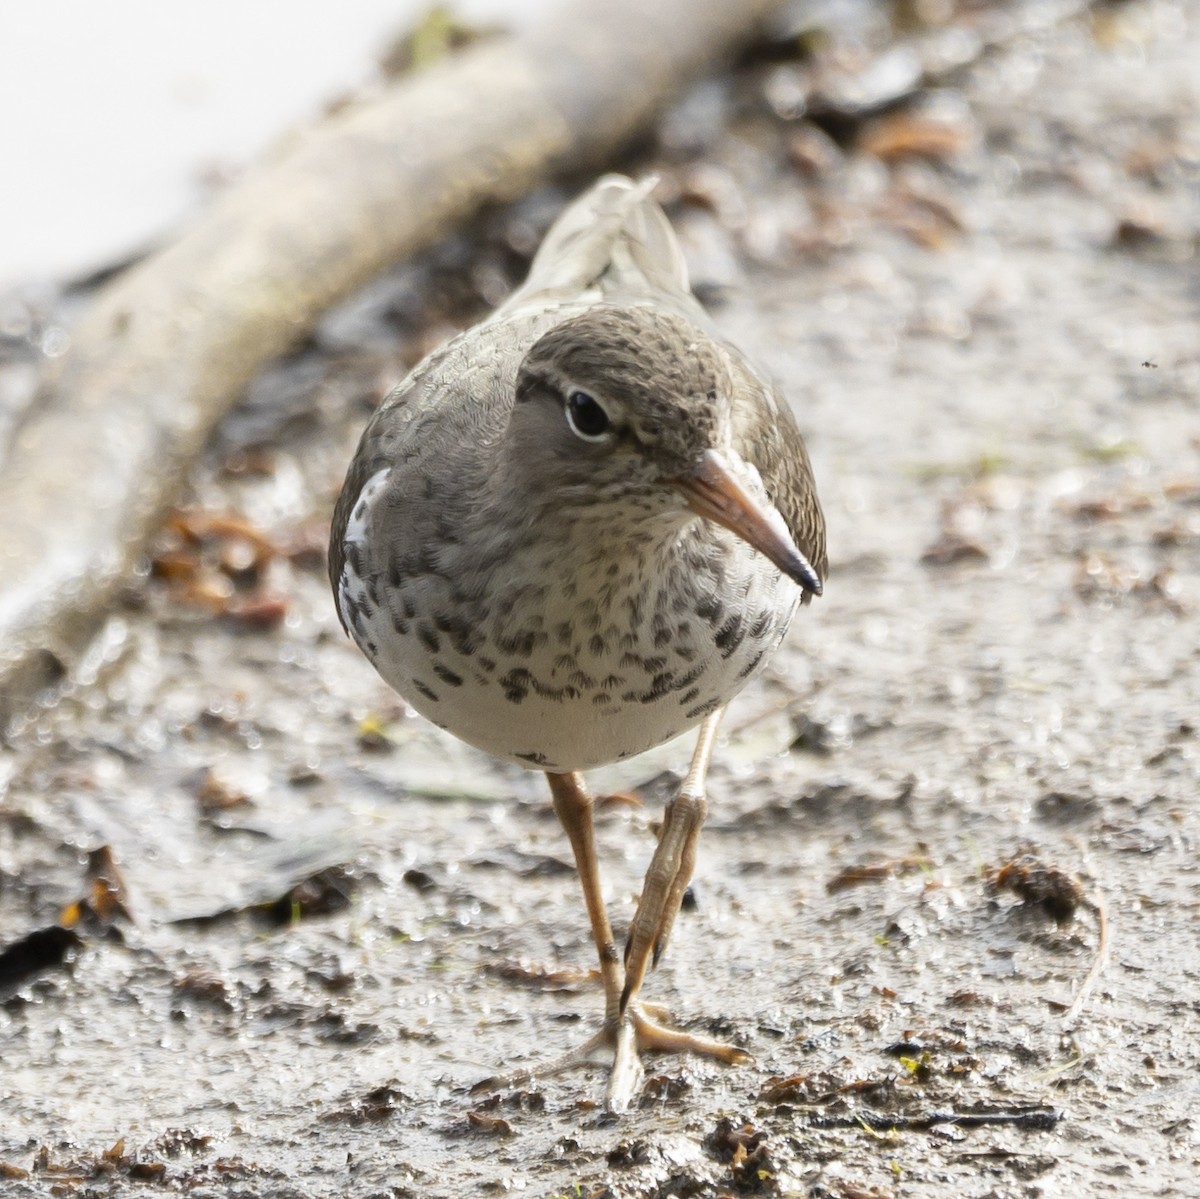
<point x="169" y="346"/>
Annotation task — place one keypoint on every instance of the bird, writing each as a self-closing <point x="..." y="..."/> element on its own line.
<point x="575" y="531"/>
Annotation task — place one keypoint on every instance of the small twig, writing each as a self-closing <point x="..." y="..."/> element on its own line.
<point x="1057" y="1071"/>
<point x="733" y="730"/>
<point x="1032" y="1117"/>
<point x="1097" y="905"/>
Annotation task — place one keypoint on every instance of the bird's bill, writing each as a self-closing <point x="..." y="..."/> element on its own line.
<point x="712" y="491"/>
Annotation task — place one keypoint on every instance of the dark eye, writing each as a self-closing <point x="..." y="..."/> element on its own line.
<point x="585" y="416"/>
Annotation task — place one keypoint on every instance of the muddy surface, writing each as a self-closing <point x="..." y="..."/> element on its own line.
<point x="947" y="896"/>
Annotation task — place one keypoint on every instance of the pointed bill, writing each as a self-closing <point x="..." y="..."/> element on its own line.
<point x="712" y="491"/>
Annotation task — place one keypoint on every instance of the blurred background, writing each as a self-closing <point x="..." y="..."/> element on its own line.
<point x="121" y="118"/>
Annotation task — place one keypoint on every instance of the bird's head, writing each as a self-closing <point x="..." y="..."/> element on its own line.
<point x="632" y="406"/>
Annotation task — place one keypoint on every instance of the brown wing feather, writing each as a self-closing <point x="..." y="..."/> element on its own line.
<point x="772" y="442"/>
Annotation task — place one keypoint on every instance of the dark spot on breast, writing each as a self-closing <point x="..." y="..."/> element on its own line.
<point x="488" y="664"/>
<point x="710" y="609"/>
<point x="659" y="686"/>
<point x="729" y="636"/>
<point x="762" y="622"/>
<point x="410" y="608"/>
<point x="462" y="635"/>
<point x="750" y="668"/>
<point x="519" y="682"/>
<point x="704" y="709"/>
<point x="687" y="697"/>
<point x="427" y="692"/>
<point x="520" y="645"/>
<point x="400" y="625"/>
<point x="394" y="575"/>
<point x="447" y="675"/>
<point x="596" y="644"/>
<point x="688" y="678"/>
<point x="601" y="697"/>
<point x="429" y="638"/>
<point x="516" y="685"/>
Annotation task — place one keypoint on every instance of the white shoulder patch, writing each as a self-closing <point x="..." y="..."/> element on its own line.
<point x="352" y="591"/>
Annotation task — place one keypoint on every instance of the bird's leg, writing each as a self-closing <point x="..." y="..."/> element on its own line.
<point x="628" y="1030"/>
<point x="671" y="868"/>
<point x="573" y="806"/>
<point x="667" y="878"/>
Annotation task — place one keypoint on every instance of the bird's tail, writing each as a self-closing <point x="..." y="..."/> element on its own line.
<point x="613" y="244"/>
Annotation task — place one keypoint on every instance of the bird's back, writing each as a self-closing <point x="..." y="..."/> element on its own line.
<point x="613" y="245"/>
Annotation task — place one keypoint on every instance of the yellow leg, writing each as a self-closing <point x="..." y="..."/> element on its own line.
<point x="573" y="806"/>
<point x="628" y="1029"/>
<point x="671" y="868"/>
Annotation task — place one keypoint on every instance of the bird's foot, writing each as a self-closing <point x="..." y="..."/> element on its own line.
<point x="626" y="1037"/>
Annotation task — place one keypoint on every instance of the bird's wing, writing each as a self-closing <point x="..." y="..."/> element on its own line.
<point x="772" y="443"/>
<point x="414" y="422"/>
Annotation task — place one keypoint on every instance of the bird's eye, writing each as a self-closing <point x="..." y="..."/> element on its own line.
<point x="586" y="417"/>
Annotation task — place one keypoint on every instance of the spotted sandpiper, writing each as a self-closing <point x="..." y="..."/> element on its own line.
<point x="575" y="531"/>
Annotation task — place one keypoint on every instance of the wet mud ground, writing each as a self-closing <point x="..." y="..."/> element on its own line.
<point x="947" y="895"/>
